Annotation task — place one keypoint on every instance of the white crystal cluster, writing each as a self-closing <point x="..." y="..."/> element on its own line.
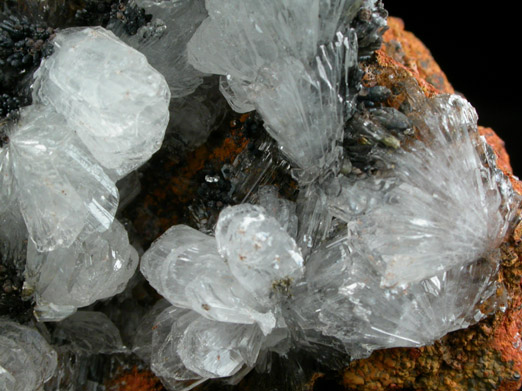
<point x="417" y="258"/>
<point x="399" y="257"/>
<point x="439" y="185"/>
<point x="289" y="60"/>
<point x="94" y="119"/>
<point x="26" y="359"/>
<point x="226" y="293"/>
<point x="395" y="257"/>
<point x="110" y="96"/>
<point x="100" y="111"/>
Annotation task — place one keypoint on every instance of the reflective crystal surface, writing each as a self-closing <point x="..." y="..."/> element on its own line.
<point x="443" y="204"/>
<point x="95" y="268"/>
<point x="365" y="215"/>
<point x="240" y="37"/>
<point x="119" y="105"/>
<point x="212" y="276"/>
<point x="281" y="70"/>
<point x="60" y="188"/>
<point x="26" y="359"/>
<point x="259" y="252"/>
<point x="353" y="306"/>
<point x="302" y="105"/>
<point x="232" y="283"/>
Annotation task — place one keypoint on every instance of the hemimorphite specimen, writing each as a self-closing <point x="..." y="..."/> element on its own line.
<point x="346" y="300"/>
<point x="51" y="163"/>
<point x="108" y="93"/>
<point x="164" y="41"/>
<point x="26" y="359"/>
<point x="239" y="38"/>
<point x="303" y="107"/>
<point x="370" y="240"/>
<point x="443" y="204"/>
<point x="67" y="278"/>
<point x="416" y="257"/>
<point x="284" y="60"/>
<point x="230" y="287"/>
<point x="228" y="278"/>
<point x="60" y="188"/>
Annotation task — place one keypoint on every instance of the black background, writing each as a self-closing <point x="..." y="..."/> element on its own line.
<point x="477" y="45"/>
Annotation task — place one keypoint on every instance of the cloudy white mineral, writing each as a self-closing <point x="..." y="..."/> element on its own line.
<point x="164" y="41"/>
<point x="396" y="256"/>
<point x="109" y="94"/>
<point x="26" y="359"/>
<point x="227" y="288"/>
<point x="91" y="269"/>
<point x="60" y="188"/>
<point x="443" y="204"/>
<point x="289" y="61"/>
<point x="91" y="110"/>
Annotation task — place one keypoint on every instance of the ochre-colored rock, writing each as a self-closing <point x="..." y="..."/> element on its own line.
<point x="408" y="50"/>
<point x="487" y="356"/>
<point x="135" y="380"/>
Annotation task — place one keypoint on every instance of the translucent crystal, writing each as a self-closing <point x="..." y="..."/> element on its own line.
<point x="217" y="349"/>
<point x="366" y="316"/>
<point x="60" y="188"/>
<point x="89" y="332"/>
<point x="164" y="41"/>
<point x="142" y="342"/>
<point x="259" y="252"/>
<point x="272" y="60"/>
<point x="443" y="205"/>
<point x="313" y="216"/>
<point x="91" y="269"/>
<point x="114" y="100"/>
<point x="240" y="37"/>
<point x="186" y="268"/>
<point x="167" y="330"/>
<point x="302" y="106"/>
<point x="26" y="359"/>
<point x="281" y="209"/>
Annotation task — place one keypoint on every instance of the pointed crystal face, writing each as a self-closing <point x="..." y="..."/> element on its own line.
<point x="119" y="105"/>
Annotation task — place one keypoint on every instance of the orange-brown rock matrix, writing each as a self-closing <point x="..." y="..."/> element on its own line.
<point x="487" y="356"/>
<point x="135" y="380"/>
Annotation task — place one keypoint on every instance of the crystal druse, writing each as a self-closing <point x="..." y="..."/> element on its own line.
<point x="352" y="225"/>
